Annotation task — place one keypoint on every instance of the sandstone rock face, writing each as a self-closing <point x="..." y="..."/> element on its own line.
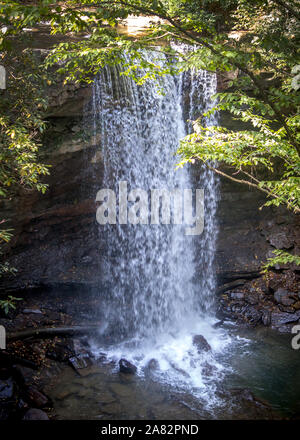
<point x="247" y="235"/>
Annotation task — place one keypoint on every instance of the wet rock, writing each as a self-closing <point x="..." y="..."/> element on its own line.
<point x="201" y="343"/>
<point x="152" y="365"/>
<point x="81" y="361"/>
<point x="284" y="297"/>
<point x="127" y="367"/>
<point x="36" y="397"/>
<point x="281" y="241"/>
<point x="237" y="295"/>
<point x="34" y="311"/>
<point x="218" y="324"/>
<point x="253" y="315"/>
<point x="61" y="351"/>
<point x="208" y="369"/>
<point x="279" y="319"/>
<point x="80" y="347"/>
<point x="35" y="414"/>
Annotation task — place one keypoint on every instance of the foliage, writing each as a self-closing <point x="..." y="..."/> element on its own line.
<point x="281" y="257"/>
<point x="263" y="96"/>
<point x="21" y="124"/>
<point x="9" y="303"/>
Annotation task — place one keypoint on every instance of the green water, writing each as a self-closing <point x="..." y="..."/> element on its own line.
<point x="269" y="367"/>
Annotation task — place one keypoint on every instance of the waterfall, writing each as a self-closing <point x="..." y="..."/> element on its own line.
<point x="202" y="86"/>
<point x="159" y="282"/>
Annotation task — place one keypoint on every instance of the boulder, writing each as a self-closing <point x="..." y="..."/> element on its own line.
<point x="284" y="297"/>
<point x="81" y="361"/>
<point x="201" y="343"/>
<point x="152" y="365"/>
<point x="127" y="367"/>
<point x="280" y="240"/>
<point x="35" y="414"/>
<point x="279" y="319"/>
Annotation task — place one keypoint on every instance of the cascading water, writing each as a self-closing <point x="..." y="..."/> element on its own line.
<point x="202" y="86"/>
<point x="157" y="295"/>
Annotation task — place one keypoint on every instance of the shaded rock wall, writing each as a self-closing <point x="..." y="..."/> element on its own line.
<point x="248" y="234"/>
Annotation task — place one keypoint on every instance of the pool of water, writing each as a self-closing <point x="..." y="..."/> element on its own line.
<point x="260" y="360"/>
<point x="270" y="367"/>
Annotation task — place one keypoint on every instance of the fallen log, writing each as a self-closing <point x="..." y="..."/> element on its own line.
<point x="49" y="332"/>
<point x="232" y="285"/>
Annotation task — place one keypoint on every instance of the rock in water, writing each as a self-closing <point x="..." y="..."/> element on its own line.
<point x="153" y="365"/>
<point x="219" y="323"/>
<point x="127" y="367"/>
<point x="35" y="414"/>
<point x="201" y="343"/>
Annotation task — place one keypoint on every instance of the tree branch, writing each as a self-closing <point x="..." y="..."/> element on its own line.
<point x="286" y="6"/>
<point x="47" y="332"/>
<point x="253" y="185"/>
